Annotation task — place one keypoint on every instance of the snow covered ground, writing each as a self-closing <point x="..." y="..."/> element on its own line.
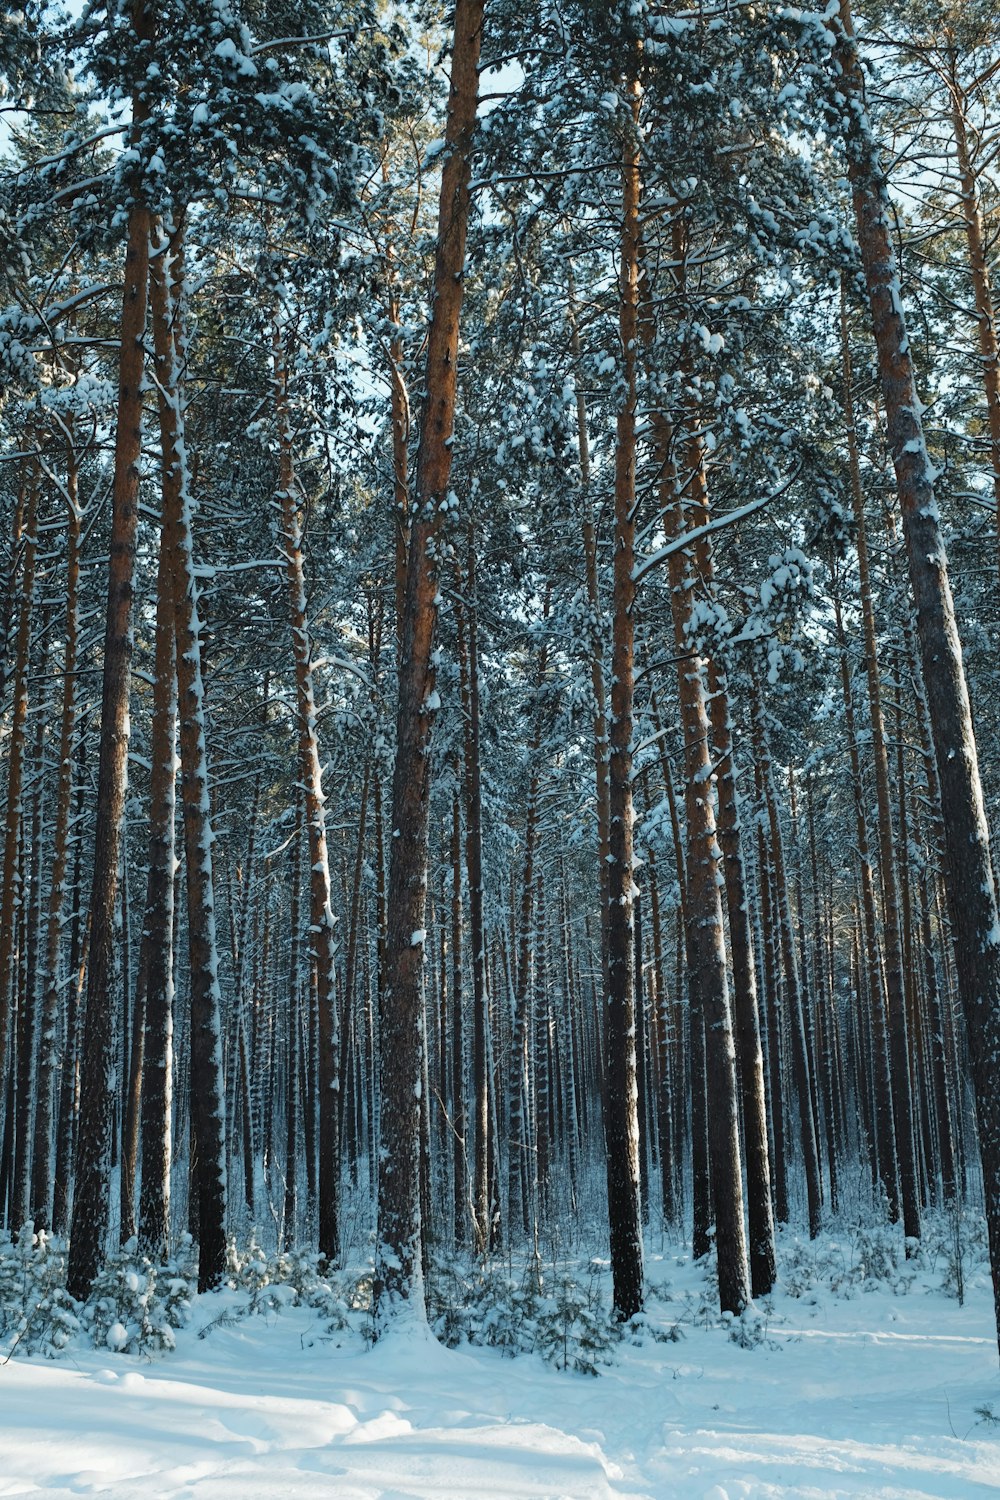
<point x="858" y="1387"/>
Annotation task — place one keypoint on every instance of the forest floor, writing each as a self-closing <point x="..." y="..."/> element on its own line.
<point x="862" y="1378"/>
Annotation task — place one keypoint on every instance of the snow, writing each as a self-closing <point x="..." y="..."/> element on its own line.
<point x="881" y="1388"/>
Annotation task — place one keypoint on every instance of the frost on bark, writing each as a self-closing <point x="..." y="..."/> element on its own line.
<point x="397" y="1257"/>
<point x="157" y="944"/>
<point x="468" y="639"/>
<point x="98" y="1070"/>
<point x="621" y="1123"/>
<point x="9" y="898"/>
<point x="902" y="1105"/>
<point x="41" y="1186"/>
<point x="206" y="1089"/>
<point x="322" y="942"/>
<point x="972" y="899"/>
<point x="801" y="1062"/>
<point x="713" y="1052"/>
<point x="749" y="1054"/>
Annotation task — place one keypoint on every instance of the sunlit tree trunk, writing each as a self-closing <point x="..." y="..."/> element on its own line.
<point x="398" y="1277"/>
<point x="971" y="889"/>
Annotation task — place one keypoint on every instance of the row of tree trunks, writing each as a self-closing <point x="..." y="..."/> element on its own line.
<point x="902" y="1108"/>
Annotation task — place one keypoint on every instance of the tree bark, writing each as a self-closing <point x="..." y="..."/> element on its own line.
<point x="98" y="1073"/>
<point x="206" y="1085"/>
<point x="621" y="1124"/>
<point x="971" y="889"/>
<point x="322" y="942"/>
<point x="398" y="1278"/>
<point x="41" y="1189"/>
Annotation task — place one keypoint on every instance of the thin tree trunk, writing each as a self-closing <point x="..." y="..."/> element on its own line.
<point x="884" y="1122"/>
<point x="749" y="1056"/>
<point x="322" y="942"/>
<point x="902" y="1102"/>
<point x="206" y="1085"/>
<point x="11" y="894"/>
<point x="42" y="1170"/>
<point x="156" y="957"/>
<point x="793" y="992"/>
<point x="468" y="637"/>
<point x="621" y="1125"/>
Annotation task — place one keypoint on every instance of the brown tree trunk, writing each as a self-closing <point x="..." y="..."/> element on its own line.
<point x="27" y="1015"/>
<point x="773" y="1009"/>
<point x="206" y="1087"/>
<point x="68" y="1084"/>
<point x="979" y="271"/>
<point x="710" y="1014"/>
<point x="589" y="536"/>
<point x="398" y="1258"/>
<point x="970" y="883"/>
<point x="91" y="1203"/>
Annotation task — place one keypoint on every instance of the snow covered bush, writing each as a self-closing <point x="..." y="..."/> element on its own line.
<point x="135" y="1307"/>
<point x="550" y="1313"/>
<point x="37" y="1314"/>
<point x="291" y="1278"/>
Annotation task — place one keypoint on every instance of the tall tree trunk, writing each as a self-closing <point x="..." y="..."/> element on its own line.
<point x="468" y="639"/>
<point x="589" y="537"/>
<point x="979" y="271"/>
<point x="156" y="958"/>
<point x="621" y="1125"/>
<point x="884" y="1122"/>
<point x="902" y="1102"/>
<point x="398" y="1277"/>
<point x="68" y="1084"/>
<point x="970" y="883"/>
<point x="27" y="1016"/>
<point x="322" y="942"/>
<point x="98" y="1083"/>
<point x="10" y="893"/>
<point x="41" y="1189"/>
<point x="749" y="1056"/>
<point x="206" y="1085"/>
<point x="793" y="991"/>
